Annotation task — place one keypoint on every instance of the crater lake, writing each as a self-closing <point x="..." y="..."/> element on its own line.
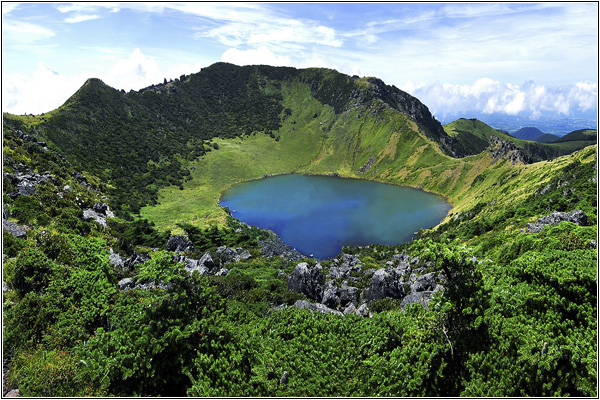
<point x="318" y="215"/>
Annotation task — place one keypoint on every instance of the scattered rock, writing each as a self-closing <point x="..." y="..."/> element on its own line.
<point x="179" y="243"/>
<point x="226" y="255"/>
<point x="14" y="229"/>
<point x="367" y="166"/>
<point x="330" y="297"/>
<point x="126" y="284"/>
<point x="115" y="259"/>
<point x="385" y="283"/>
<point x="577" y="217"/>
<point x="135" y="259"/>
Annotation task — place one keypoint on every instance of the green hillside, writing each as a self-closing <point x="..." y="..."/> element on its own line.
<point x="473" y="136"/>
<point x="580" y="135"/>
<point x="547" y="138"/>
<point x="101" y="305"/>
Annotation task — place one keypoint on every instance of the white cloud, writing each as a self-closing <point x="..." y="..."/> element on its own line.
<point x="490" y="96"/>
<point x="46" y="89"/>
<point x="134" y="72"/>
<point x="41" y="92"/>
<point x="19" y="32"/>
<point x="262" y="55"/>
<point x="81" y="18"/>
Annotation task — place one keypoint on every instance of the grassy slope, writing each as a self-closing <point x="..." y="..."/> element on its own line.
<point x="342" y="143"/>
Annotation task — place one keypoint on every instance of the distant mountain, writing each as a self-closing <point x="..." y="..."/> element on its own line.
<point x="528" y="133"/>
<point x="547" y="138"/>
<point x="546" y="123"/>
<point x="578" y="135"/>
<point x="472" y="136"/>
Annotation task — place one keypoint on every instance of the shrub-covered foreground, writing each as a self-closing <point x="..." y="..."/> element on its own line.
<point x="524" y="326"/>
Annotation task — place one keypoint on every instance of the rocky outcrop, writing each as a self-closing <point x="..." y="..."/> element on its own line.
<point x="502" y="149"/>
<point x="26" y="182"/>
<point x="135" y="258"/>
<point x="226" y="255"/>
<point x="99" y="213"/>
<point x="14" y="229"/>
<point x="274" y="246"/>
<point x="577" y="217"/>
<point x="179" y="243"/>
<point x="404" y="278"/>
<point x="367" y="166"/>
<point x="308" y="280"/>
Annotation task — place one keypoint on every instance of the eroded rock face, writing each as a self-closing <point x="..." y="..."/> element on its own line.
<point x="577" y="217"/>
<point x="307" y="280"/>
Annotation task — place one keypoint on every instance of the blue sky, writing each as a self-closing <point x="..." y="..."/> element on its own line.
<point x="526" y="59"/>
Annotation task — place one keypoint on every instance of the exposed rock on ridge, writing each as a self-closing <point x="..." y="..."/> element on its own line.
<point x="507" y="150"/>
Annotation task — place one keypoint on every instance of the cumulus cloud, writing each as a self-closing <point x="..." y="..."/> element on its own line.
<point x="41" y="92"/>
<point x="490" y="96"/>
<point x="134" y="72"/>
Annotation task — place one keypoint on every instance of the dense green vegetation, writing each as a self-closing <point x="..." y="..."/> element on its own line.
<point x="517" y="316"/>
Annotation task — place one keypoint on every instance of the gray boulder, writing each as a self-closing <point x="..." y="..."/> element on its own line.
<point x="577" y="217"/>
<point x="330" y="297"/>
<point x="126" y="284"/>
<point x="89" y="214"/>
<point x="351" y="309"/>
<point x="349" y="295"/>
<point x="135" y="259"/>
<point x="307" y="280"/>
<point x="14" y="229"/>
<point x="228" y="255"/>
<point x="422" y="283"/>
<point x="419" y="297"/>
<point x="196" y="265"/>
<point x="25" y="188"/>
<point x="204" y="266"/>
<point x="115" y="259"/>
<point x="178" y="244"/>
<point x="385" y="283"/>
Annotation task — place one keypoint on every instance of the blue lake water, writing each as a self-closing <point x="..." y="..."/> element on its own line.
<point x="319" y="214"/>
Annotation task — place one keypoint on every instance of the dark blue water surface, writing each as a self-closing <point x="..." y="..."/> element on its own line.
<point x="319" y="214"/>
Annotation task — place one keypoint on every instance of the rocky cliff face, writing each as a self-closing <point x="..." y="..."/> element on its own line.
<point x="502" y="149"/>
<point x="416" y="110"/>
